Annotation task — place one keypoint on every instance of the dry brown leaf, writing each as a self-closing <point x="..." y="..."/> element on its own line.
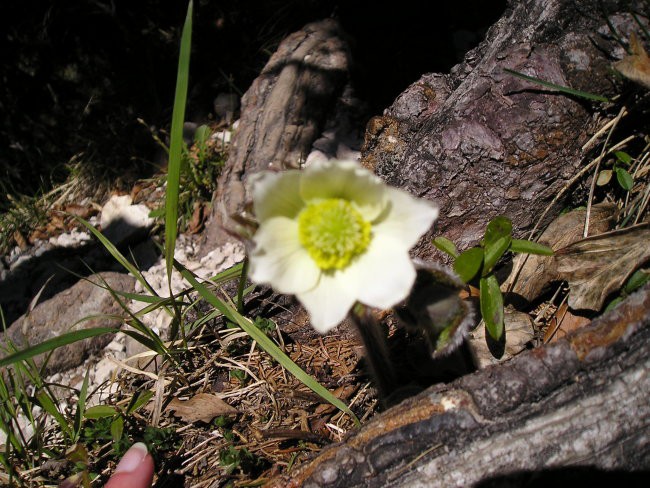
<point x="635" y="66"/>
<point x="519" y="332"/>
<point x="563" y="322"/>
<point x="195" y="224"/>
<point x="203" y="406"/>
<point x="538" y="271"/>
<point x="83" y="211"/>
<point x="20" y="240"/>
<point x="597" y="266"/>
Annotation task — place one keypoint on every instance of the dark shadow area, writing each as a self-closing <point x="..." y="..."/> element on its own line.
<point x="570" y="477"/>
<point x="76" y="76"/>
<point x="58" y="268"/>
<point x="394" y="44"/>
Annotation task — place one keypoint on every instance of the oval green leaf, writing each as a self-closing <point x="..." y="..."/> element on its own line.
<point x="117" y="428"/>
<point x="623" y="157"/>
<point x="492" y="306"/>
<point x="100" y="411"/>
<point x="494" y="251"/>
<point x="446" y="246"/>
<point x="529" y="247"/>
<point x="468" y="263"/>
<point x="639" y="278"/>
<point x="624" y="179"/>
<point x="497" y="228"/>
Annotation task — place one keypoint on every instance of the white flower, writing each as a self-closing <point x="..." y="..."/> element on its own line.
<point x="334" y="234"/>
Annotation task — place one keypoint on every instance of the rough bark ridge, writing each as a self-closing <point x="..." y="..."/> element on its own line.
<point x="481" y="142"/>
<point x="579" y="402"/>
<point x="283" y="112"/>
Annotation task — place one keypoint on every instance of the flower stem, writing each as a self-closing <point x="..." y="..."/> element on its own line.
<point x="242" y="286"/>
<point x="377" y="353"/>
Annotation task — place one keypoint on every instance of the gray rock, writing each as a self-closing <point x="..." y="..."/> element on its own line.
<point x="65" y="312"/>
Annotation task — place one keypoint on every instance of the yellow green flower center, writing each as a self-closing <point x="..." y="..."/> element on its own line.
<point x="333" y="232"/>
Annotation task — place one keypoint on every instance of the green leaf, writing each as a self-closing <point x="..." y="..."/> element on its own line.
<point x="117" y="428"/>
<point x="119" y="257"/>
<point x="497" y="228"/>
<point x="157" y="212"/>
<point x="138" y="400"/>
<point x="623" y="157"/>
<point x="100" y="411"/>
<point x="446" y="246"/>
<point x="494" y="251"/>
<point x="201" y="134"/>
<point x="176" y="144"/>
<point x="624" y="179"/>
<point x="468" y="263"/>
<point x="611" y="305"/>
<point x="529" y="247"/>
<point x="81" y="406"/>
<point x="46" y="402"/>
<point x="639" y="278"/>
<point x="492" y="306"/>
<point x="51" y="344"/>
<point x="560" y="88"/>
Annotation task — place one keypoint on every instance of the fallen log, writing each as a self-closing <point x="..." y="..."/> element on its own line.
<point x="580" y="402"/>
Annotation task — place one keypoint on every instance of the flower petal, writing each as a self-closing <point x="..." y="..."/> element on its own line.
<point x="346" y="180"/>
<point x="276" y="194"/>
<point x="329" y="302"/>
<point x="279" y="259"/>
<point x="386" y="273"/>
<point x="407" y="219"/>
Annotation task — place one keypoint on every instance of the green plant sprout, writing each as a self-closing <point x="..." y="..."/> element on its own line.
<point x="479" y="262"/>
<point x="623" y="177"/>
<point x="639" y="278"/>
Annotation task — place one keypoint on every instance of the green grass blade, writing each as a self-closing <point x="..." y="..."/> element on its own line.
<point x="560" y="88"/>
<point x="50" y="407"/>
<point x="51" y="344"/>
<point x="135" y="321"/>
<point x="119" y="257"/>
<point x="266" y="344"/>
<point x="81" y="407"/>
<point x="176" y="144"/>
<point x="139" y="399"/>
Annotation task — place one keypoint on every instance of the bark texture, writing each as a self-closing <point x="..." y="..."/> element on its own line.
<point x="283" y="113"/>
<point x="481" y="142"/>
<point x="581" y="402"/>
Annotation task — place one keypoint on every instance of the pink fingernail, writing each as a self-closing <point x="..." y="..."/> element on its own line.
<point x="132" y="459"/>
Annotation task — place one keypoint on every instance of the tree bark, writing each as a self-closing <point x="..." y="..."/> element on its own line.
<point x="580" y="402"/>
<point x="481" y="142"/>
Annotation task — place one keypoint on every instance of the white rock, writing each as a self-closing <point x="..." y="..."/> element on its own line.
<point x="103" y="370"/>
<point x="120" y="220"/>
